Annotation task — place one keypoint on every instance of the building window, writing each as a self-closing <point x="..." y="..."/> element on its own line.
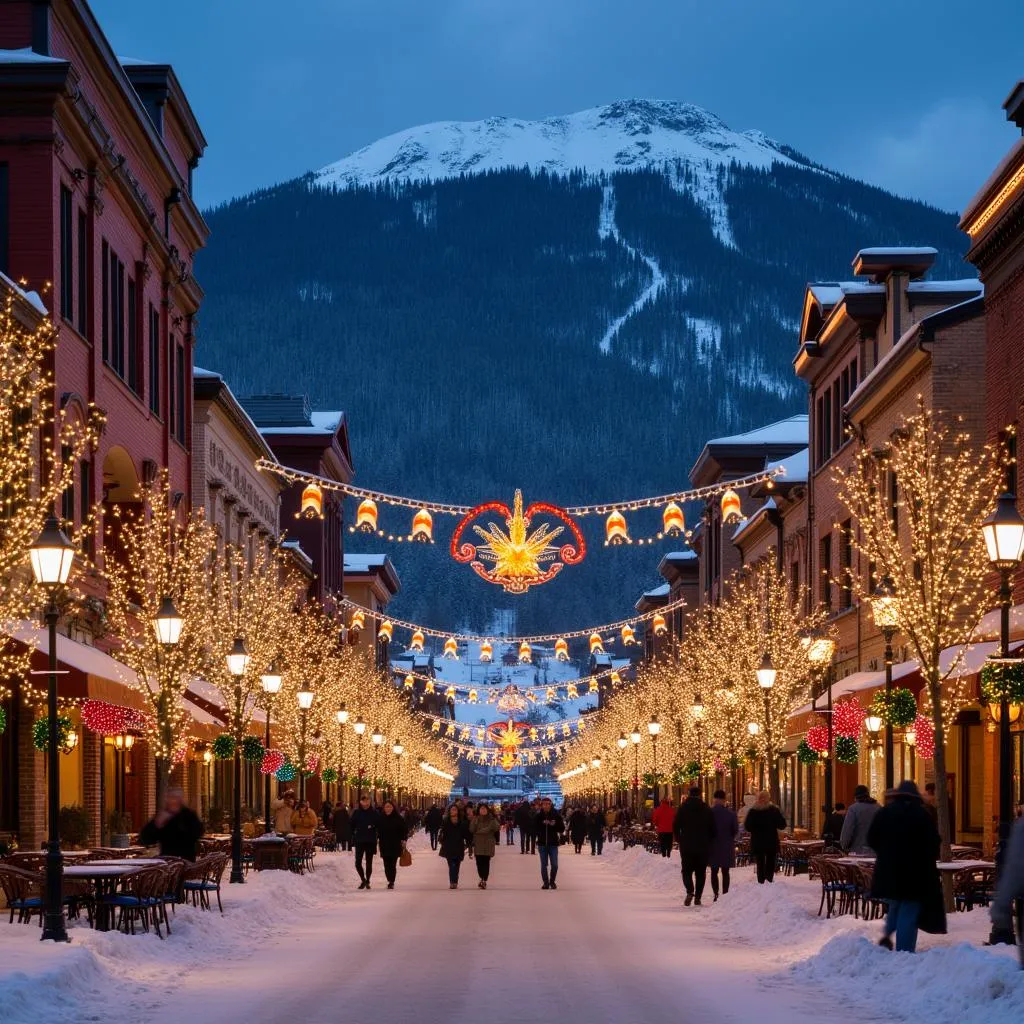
<point x="83" y="276"/>
<point x="85" y="501"/>
<point x="846" y="564"/>
<point x="154" y="360"/>
<point x="67" y="269"/>
<point x="894" y="501"/>
<point x="67" y="498"/>
<point x="826" y="571"/>
<point x="121" y="316"/>
<point x="179" y="383"/>
<point x="1008" y="443"/>
<point x="794" y="583"/>
<point x="105" y="301"/>
<point x="133" y="376"/>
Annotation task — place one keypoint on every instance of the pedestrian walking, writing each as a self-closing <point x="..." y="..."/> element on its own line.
<point x="578" y="828"/>
<point x="343" y="826"/>
<point x="524" y="816"/>
<point x="432" y="823"/>
<point x="327" y="814"/>
<point x="453" y="838"/>
<point x="1010" y="889"/>
<point x="906" y="844"/>
<point x="857" y="823"/>
<point x="663" y="819"/>
<point x="392" y="832"/>
<point x="364" y="838"/>
<point x="176" y="829"/>
<point x="595" y="830"/>
<point x="282" y="810"/>
<point x="694" y="828"/>
<point x="723" y="846"/>
<point x="834" y="825"/>
<point x="548" y="829"/>
<point x="484" y="829"/>
<point x="304" y="820"/>
<point x="762" y="823"/>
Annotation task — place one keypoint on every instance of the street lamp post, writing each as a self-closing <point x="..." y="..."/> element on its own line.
<point x="697" y="711"/>
<point x="359" y="728"/>
<point x="621" y="743"/>
<point x="886" y="616"/>
<point x="238" y="664"/>
<point x="167" y="624"/>
<point x="1003" y="531"/>
<point x="342" y="715"/>
<point x="378" y="738"/>
<point x="271" y="683"/>
<point x="305" y="699"/>
<point x="635" y="738"/>
<point x="766" y="673"/>
<point x="820" y="649"/>
<point x="52" y="556"/>
<point x="398" y="749"/>
<point x="653" y="728"/>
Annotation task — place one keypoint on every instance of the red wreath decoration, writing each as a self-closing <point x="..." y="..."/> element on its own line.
<point x="273" y="760"/>
<point x="531" y="549"/>
<point x="847" y="718"/>
<point x="925" y="740"/>
<point x="312" y="762"/>
<point x="112" y="719"/>
<point x="817" y="738"/>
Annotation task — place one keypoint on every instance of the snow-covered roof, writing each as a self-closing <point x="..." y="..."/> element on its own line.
<point x="963" y="284"/>
<point x="745" y="524"/>
<point x="681" y="556"/>
<point x="363" y="563"/>
<point x="826" y="294"/>
<point x="788" y="431"/>
<point x="326" y="420"/>
<point x="28" y="56"/>
<point x="795" y="468"/>
<point x="662" y="591"/>
<point x="130" y="61"/>
<point x="30" y="297"/>
<point x="898" y="250"/>
<point x="200" y="373"/>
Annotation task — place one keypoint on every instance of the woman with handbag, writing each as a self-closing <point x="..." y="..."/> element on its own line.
<point x="453" y="838"/>
<point x="391" y="836"/>
<point x="485" y="829"/>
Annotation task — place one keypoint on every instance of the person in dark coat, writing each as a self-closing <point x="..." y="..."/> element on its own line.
<point x="432" y="823"/>
<point x="762" y="823"/>
<point x="524" y="822"/>
<point x="327" y="813"/>
<point x="364" y="838"/>
<point x="834" y="825"/>
<point x="906" y="845"/>
<point x="453" y="838"/>
<point x="392" y="832"/>
<point x="343" y="827"/>
<point x="176" y="829"/>
<point x="723" y="847"/>
<point x="694" y="829"/>
<point x="548" y="828"/>
<point x="595" y="830"/>
<point x="578" y="828"/>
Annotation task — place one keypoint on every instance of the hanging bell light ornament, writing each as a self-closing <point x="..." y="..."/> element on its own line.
<point x="486" y="651"/>
<point x="525" y="654"/>
<point x="615" y="531"/>
<point x="312" y="506"/>
<point x="672" y="521"/>
<point x="628" y="635"/>
<point x="561" y="650"/>
<point x="423" y="527"/>
<point x="358" y="620"/>
<point x="596" y="644"/>
<point x="451" y="648"/>
<point x="385" y="632"/>
<point x="410" y="681"/>
<point x="732" y="510"/>
<point x="366" y="516"/>
<point x="659" y="625"/>
<point x="417" y="641"/>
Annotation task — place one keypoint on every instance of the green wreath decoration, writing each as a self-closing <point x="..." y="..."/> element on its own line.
<point x="223" y="746"/>
<point x="41" y="732"/>
<point x="252" y="748"/>
<point x="806" y="754"/>
<point x="621" y="785"/>
<point x="329" y="775"/>
<point x="847" y="750"/>
<point x="997" y="680"/>
<point x="3" y="720"/>
<point x="898" y="710"/>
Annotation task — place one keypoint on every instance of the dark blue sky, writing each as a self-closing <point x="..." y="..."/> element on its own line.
<point x="905" y="94"/>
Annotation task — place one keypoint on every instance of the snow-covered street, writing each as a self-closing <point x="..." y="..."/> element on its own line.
<point x="613" y="943"/>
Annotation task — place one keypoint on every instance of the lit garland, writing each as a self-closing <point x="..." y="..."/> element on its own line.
<point x="535" y="733"/>
<point x="898" y="709"/>
<point x="806" y="754"/>
<point x="273" y="762"/>
<point x="847" y="718"/>
<point x="484" y="694"/>
<point x="113" y="719"/>
<point x="1001" y="679"/>
<point x="817" y="738"/>
<point x="252" y="749"/>
<point x="847" y="750"/>
<point x="223" y="747"/>
<point x="329" y="775"/>
<point x="355" y="608"/>
<point x="933" y="553"/>
<point x="286" y="773"/>
<point x="924" y="737"/>
<point x="41" y="733"/>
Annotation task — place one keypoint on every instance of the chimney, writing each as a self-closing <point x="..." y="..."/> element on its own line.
<point x="41" y="27"/>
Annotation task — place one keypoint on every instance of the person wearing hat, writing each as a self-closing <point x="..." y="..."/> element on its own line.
<point x="854" y="837"/>
<point x="906" y="844"/>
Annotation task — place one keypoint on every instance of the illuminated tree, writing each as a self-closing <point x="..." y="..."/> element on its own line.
<point x="929" y="544"/>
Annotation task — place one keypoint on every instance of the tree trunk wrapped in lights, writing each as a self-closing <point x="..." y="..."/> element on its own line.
<point x="164" y="553"/>
<point x="32" y="477"/>
<point x="929" y="543"/>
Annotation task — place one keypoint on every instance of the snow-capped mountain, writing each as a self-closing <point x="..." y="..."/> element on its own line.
<point x="619" y="136"/>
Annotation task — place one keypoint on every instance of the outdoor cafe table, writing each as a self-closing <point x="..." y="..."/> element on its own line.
<point x="129" y="862"/>
<point x="960" y="865"/>
<point x="105" y="878"/>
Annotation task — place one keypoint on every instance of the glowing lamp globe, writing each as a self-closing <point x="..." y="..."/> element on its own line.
<point x="672" y="522"/>
<point x="167" y="622"/>
<point x="342" y="715"/>
<point x="398" y="750"/>
<point x="753" y="728"/>
<point x="732" y="509"/>
<point x="486" y="651"/>
<point x="873" y="723"/>
<point x="451" y="648"/>
<point x="622" y="742"/>
<point x="1003" y="530"/>
<point x="359" y="727"/>
<point x="595" y="762"/>
<point x="312" y="506"/>
<point x="366" y="516"/>
<point x="305" y="698"/>
<point x="635" y="735"/>
<point x="417" y="641"/>
<point x="615" y="531"/>
<point x="386" y="631"/>
<point x="883" y="605"/>
<point x="654" y="726"/>
<point x="697" y="708"/>
<point x="271" y="680"/>
<point x="52" y="555"/>
<point x="659" y="624"/>
<point x="766" y="672"/>
<point x="423" y="526"/>
<point x="238" y="657"/>
<point x="596" y="644"/>
<point x="378" y="737"/>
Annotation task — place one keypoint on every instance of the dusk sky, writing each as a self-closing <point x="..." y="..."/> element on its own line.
<point x="907" y="96"/>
